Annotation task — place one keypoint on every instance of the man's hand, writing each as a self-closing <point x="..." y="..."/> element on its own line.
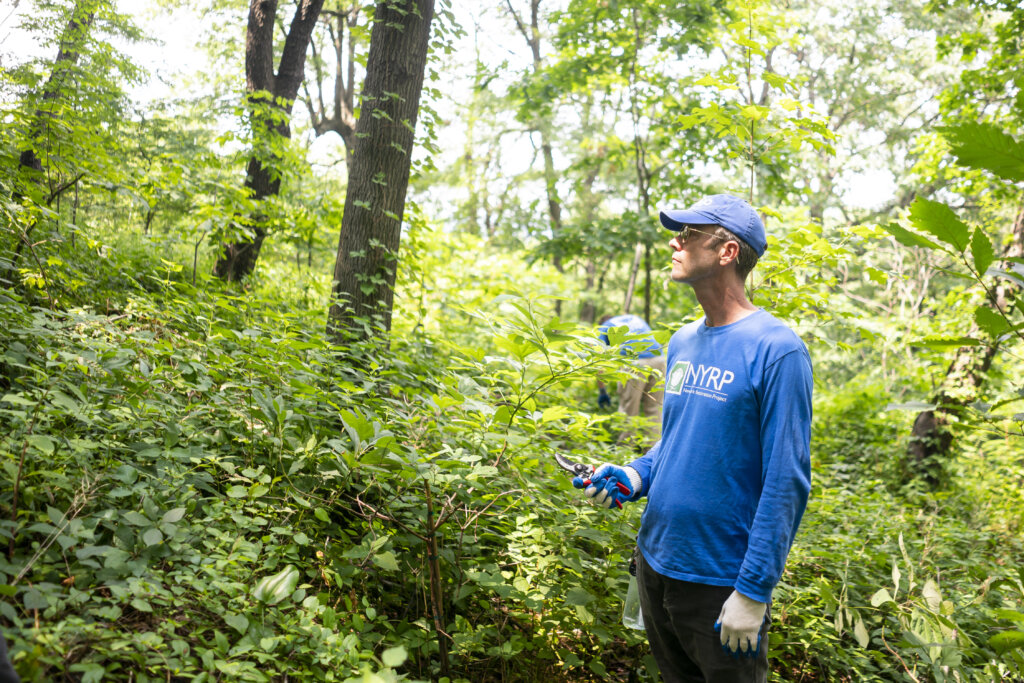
<point x="610" y="485"/>
<point x="740" y="622"/>
<point x="603" y="399"/>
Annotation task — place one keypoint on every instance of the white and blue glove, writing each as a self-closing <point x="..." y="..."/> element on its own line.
<point x="739" y="624"/>
<point x="610" y="485"/>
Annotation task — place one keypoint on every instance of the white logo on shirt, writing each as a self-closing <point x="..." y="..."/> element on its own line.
<point x="702" y="380"/>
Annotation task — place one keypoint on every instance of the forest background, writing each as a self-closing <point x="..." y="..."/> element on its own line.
<point x="288" y="341"/>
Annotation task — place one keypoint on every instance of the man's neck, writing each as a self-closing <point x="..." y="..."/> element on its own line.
<point x="723" y="304"/>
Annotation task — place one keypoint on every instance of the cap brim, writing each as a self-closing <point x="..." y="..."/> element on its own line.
<point x="675" y="219"/>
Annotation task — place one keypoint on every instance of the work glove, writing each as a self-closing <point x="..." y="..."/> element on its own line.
<point x="603" y="399"/>
<point x="610" y="485"/>
<point x="739" y="624"/>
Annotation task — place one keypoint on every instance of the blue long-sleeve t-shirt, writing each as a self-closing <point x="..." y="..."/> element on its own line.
<point x="728" y="483"/>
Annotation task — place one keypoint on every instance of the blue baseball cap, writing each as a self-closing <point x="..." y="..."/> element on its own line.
<point x="732" y="213"/>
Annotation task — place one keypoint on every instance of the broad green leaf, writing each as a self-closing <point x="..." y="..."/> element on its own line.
<point x="578" y="596"/>
<point x="173" y="515"/>
<point x="861" y="633"/>
<point x="273" y="589"/>
<point x="907" y="238"/>
<point x="931" y="595"/>
<point x="986" y="146"/>
<point x="386" y="560"/>
<point x="237" y="491"/>
<point x="982" y="252"/>
<point x="939" y="220"/>
<point x="152" y="537"/>
<point x="41" y="443"/>
<point x="1006" y="641"/>
<point x="239" y="622"/>
<point x="136" y="518"/>
<point x="880" y="597"/>
<point x="1010" y="614"/>
<point x="33" y="599"/>
<point x="991" y="322"/>
<point x="394" y="656"/>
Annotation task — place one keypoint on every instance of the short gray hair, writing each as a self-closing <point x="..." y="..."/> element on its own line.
<point x="747" y="258"/>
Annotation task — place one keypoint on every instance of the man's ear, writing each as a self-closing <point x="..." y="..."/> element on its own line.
<point x="729" y="252"/>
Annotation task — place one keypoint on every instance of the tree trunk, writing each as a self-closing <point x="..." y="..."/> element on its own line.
<point x="335" y="111"/>
<point x="532" y="35"/>
<point x="931" y="438"/>
<point x="262" y="179"/>
<point x="71" y="41"/>
<point x="371" y="227"/>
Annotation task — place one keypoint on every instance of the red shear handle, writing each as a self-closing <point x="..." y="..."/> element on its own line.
<point x="622" y="488"/>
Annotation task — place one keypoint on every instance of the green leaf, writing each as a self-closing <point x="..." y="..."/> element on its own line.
<point x="909" y="239"/>
<point x="860" y="632"/>
<point x="991" y="322"/>
<point x="1006" y="641"/>
<point x="237" y="491"/>
<point x="945" y="342"/>
<point x="578" y="596"/>
<point x="386" y="560"/>
<point x="982" y="252"/>
<point x="986" y="146"/>
<point x="394" y="656"/>
<point x="172" y="516"/>
<point x="152" y="537"/>
<point x="33" y="599"/>
<point x="239" y="622"/>
<point x="41" y="443"/>
<point x="880" y="597"/>
<point x="939" y="220"/>
<point x="273" y="589"/>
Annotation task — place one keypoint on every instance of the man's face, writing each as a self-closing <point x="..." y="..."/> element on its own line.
<point x="695" y="253"/>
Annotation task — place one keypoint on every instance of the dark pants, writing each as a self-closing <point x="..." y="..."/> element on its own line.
<point x="7" y="673"/>
<point x="680" y="617"/>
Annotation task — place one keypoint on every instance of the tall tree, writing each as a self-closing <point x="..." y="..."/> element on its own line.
<point x="332" y="109"/>
<point x="73" y="38"/>
<point x="371" y="227"/>
<point x="271" y="96"/>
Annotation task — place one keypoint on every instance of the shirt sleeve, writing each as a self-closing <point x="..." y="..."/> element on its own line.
<point x="785" y="471"/>
<point x="643" y="467"/>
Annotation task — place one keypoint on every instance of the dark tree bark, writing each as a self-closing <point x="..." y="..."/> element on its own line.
<point x="931" y="439"/>
<point x="371" y="227"/>
<point x="262" y="179"/>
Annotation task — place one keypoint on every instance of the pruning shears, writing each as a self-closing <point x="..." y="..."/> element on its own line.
<point x="583" y="471"/>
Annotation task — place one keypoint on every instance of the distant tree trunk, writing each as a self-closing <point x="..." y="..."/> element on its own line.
<point x="931" y="438"/>
<point x="532" y="35"/>
<point x="371" y="227"/>
<point x="336" y="112"/>
<point x="262" y="179"/>
<point x="71" y="41"/>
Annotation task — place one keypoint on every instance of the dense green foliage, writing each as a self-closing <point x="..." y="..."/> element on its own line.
<point x="198" y="486"/>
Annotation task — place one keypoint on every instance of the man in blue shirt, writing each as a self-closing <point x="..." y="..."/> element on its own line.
<point x="727" y="484"/>
<point x="643" y="392"/>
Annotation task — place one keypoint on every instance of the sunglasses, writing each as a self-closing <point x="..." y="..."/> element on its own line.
<point x="687" y="230"/>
